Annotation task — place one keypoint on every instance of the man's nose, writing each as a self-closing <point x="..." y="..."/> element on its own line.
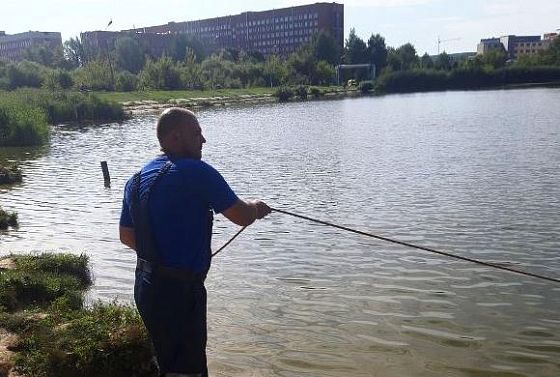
<point x="203" y="139"/>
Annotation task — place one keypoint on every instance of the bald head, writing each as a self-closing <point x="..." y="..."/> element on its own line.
<point x="179" y="133"/>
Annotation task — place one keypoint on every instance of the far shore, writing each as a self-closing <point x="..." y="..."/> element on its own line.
<point x="149" y="102"/>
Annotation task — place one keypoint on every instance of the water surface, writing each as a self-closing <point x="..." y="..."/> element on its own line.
<point x="474" y="173"/>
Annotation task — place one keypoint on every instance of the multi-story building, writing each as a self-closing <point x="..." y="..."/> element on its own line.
<point x="101" y="42"/>
<point x="278" y="31"/>
<point x="516" y="46"/>
<point x="489" y="44"/>
<point x="12" y="47"/>
<point x="524" y="45"/>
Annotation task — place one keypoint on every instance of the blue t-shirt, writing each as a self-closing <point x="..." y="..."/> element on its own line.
<point x="179" y="204"/>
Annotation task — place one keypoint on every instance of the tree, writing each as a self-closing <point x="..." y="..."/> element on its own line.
<point x="324" y="73"/>
<point x="377" y="51"/>
<point x="275" y="71"/>
<point x="96" y="75"/>
<point x="191" y="75"/>
<point x="45" y="55"/>
<point x="129" y="55"/>
<point x="325" y="48"/>
<point x="444" y="62"/>
<point x="75" y="53"/>
<point x="302" y="65"/>
<point x="426" y="61"/>
<point x="355" y="50"/>
<point x="183" y="43"/>
<point x="163" y="73"/>
<point x="25" y="73"/>
<point x="407" y="56"/>
<point x="551" y="56"/>
<point x="217" y="70"/>
<point x="494" y="58"/>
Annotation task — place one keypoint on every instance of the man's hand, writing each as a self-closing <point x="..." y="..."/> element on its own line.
<point x="244" y="213"/>
<point x="262" y="208"/>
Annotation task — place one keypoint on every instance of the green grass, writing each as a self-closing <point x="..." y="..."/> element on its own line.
<point x="106" y="340"/>
<point x="163" y="96"/>
<point x="41" y="301"/>
<point x="21" y="123"/>
<point x="65" y="264"/>
<point x="25" y="114"/>
<point x="38" y="281"/>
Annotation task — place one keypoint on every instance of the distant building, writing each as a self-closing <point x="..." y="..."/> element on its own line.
<point x="12" y="47"/>
<point x="278" y="31"/>
<point x="522" y="46"/>
<point x="516" y="46"/>
<point x="489" y="44"/>
<point x="100" y="42"/>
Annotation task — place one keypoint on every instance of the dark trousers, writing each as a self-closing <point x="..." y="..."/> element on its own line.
<point x="174" y="313"/>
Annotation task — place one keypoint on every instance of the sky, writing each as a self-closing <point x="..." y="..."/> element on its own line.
<point x="460" y="24"/>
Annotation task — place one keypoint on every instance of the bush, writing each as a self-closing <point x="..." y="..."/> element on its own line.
<point x="126" y="82"/>
<point x="25" y="74"/>
<point x="316" y="92"/>
<point x="7" y="219"/>
<point x="365" y="86"/>
<point x="464" y="78"/>
<point x="94" y="76"/>
<point x="68" y="107"/>
<point x="301" y="92"/>
<point x="10" y="175"/>
<point x="22" y="124"/>
<point x="58" y="79"/>
<point x="161" y="74"/>
<point x="284" y="94"/>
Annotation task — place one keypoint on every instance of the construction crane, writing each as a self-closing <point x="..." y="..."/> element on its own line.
<point x="440" y="41"/>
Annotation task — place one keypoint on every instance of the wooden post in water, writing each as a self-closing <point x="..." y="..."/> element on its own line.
<point x="106" y="176"/>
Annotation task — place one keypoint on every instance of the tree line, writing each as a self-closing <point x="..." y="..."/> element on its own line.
<point x="185" y="64"/>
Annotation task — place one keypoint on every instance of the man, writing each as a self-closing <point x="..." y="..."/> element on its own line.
<point x="167" y="218"/>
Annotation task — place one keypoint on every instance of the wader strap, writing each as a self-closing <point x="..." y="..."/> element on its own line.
<point x="148" y="256"/>
<point x="145" y="243"/>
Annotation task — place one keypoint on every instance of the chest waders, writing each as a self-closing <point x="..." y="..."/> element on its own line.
<point x="149" y="258"/>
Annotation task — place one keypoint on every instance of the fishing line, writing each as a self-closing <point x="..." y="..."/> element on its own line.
<point x="428" y="249"/>
<point x="371" y="235"/>
<point x="230" y="241"/>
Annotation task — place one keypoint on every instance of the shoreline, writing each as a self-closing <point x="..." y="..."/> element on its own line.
<point x="152" y="106"/>
<point x="152" y="102"/>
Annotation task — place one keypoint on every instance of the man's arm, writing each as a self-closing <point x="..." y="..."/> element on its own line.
<point x="128" y="237"/>
<point x="244" y="213"/>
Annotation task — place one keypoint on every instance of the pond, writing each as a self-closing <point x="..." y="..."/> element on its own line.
<point x="471" y="173"/>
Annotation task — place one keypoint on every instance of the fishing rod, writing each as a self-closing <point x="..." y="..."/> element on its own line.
<point x="407" y="244"/>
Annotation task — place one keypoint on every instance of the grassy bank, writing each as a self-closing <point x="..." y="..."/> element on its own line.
<point x="164" y="96"/>
<point x="22" y="124"/>
<point x="148" y="102"/>
<point x="465" y="78"/>
<point x="26" y="113"/>
<point x="41" y="305"/>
